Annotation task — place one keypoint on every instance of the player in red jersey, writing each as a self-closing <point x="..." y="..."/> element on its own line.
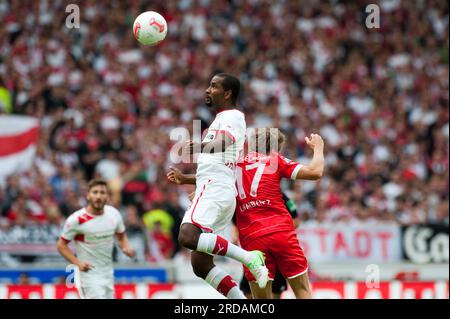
<point x="262" y="219"/>
<point x="279" y="284"/>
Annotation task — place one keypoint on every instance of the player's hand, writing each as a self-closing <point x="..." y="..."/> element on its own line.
<point x="314" y="141"/>
<point x="191" y="196"/>
<point x="129" y="252"/>
<point x="192" y="147"/>
<point x="83" y="266"/>
<point x="175" y="176"/>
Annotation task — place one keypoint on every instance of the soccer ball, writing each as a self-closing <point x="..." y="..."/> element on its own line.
<point x="150" y="28"/>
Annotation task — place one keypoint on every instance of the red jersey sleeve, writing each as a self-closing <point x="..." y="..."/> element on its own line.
<point x="288" y="168"/>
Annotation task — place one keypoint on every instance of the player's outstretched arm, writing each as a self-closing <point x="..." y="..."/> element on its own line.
<point x="177" y="177"/>
<point x="124" y="245"/>
<point x="67" y="253"/>
<point x="313" y="170"/>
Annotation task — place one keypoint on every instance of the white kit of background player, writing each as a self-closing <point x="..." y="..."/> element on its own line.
<point x="93" y="229"/>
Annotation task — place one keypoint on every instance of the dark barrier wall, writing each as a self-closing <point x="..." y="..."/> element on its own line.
<point x="425" y="243"/>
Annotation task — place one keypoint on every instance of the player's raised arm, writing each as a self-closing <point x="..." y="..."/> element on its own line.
<point x="177" y="177"/>
<point x="314" y="170"/>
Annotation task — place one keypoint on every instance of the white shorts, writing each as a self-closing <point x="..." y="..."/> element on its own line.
<point x="100" y="287"/>
<point x="97" y="292"/>
<point x="212" y="208"/>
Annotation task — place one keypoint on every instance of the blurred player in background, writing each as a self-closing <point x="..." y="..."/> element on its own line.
<point x="262" y="219"/>
<point x="93" y="229"/>
<point x="279" y="283"/>
<point x="214" y="203"/>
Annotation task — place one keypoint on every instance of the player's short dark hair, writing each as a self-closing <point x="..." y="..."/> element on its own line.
<point x="230" y="82"/>
<point x="96" y="182"/>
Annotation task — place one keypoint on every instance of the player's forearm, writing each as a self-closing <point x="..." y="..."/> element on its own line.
<point x="124" y="245"/>
<point x="123" y="241"/>
<point x="67" y="253"/>
<point x="318" y="162"/>
<point x="189" y="179"/>
<point x="314" y="170"/>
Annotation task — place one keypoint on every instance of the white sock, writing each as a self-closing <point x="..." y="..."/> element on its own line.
<point x="224" y="284"/>
<point x="216" y="245"/>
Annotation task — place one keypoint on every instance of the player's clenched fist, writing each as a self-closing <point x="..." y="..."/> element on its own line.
<point x="83" y="266"/>
<point x="175" y="176"/>
<point x="129" y="252"/>
<point x="314" y="141"/>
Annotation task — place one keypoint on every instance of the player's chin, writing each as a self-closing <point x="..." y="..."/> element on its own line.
<point x="99" y="205"/>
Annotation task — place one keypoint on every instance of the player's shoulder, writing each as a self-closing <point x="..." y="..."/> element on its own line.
<point x="78" y="212"/>
<point x="75" y="216"/>
<point x="232" y="113"/>
<point x="238" y="113"/>
<point x="283" y="158"/>
<point x="111" y="210"/>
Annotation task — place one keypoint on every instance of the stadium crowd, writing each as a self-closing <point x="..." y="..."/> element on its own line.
<point x="106" y="105"/>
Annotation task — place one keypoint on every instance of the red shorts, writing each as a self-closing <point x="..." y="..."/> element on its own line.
<point x="283" y="253"/>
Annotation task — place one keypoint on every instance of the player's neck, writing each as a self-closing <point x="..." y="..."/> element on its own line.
<point x="225" y="108"/>
<point x="91" y="210"/>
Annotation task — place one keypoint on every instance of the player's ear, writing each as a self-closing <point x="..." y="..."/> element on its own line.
<point x="228" y="95"/>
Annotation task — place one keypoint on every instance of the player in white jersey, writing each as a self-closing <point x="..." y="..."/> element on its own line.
<point x="93" y="229"/>
<point x="215" y="198"/>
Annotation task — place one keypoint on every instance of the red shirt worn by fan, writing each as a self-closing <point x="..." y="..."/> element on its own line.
<point x="260" y="208"/>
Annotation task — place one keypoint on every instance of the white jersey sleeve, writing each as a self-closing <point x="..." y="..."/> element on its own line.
<point x="120" y="228"/>
<point x="70" y="228"/>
